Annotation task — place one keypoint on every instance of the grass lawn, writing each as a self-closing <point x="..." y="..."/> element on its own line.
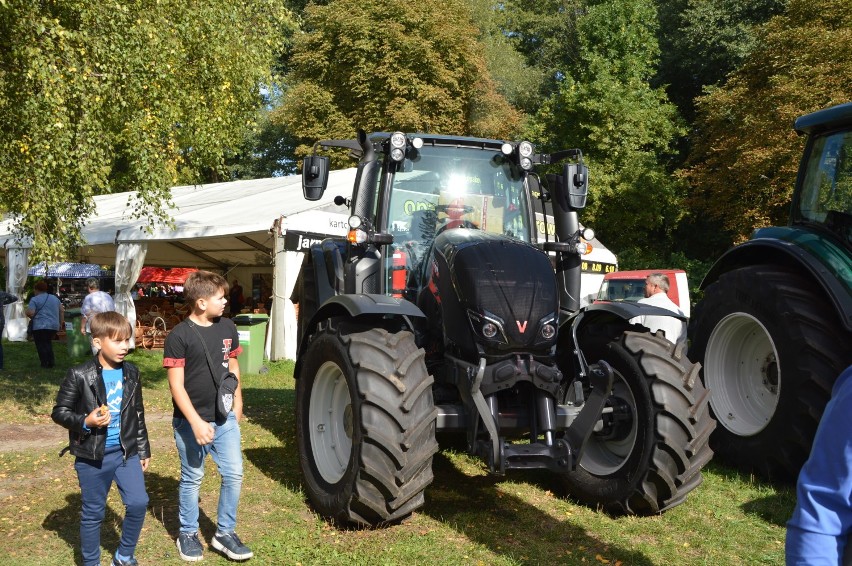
<point x="469" y="516"/>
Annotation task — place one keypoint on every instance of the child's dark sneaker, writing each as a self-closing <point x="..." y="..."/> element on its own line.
<point x="189" y="547"/>
<point x="231" y="546"/>
<point x="131" y="562"/>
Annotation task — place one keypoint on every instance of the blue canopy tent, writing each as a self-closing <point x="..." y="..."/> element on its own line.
<point x="68" y="270"/>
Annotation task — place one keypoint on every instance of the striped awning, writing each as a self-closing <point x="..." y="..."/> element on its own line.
<point x="68" y="270"/>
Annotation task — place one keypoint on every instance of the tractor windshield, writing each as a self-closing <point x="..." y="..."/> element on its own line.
<point x="826" y="193"/>
<point x="455" y="187"/>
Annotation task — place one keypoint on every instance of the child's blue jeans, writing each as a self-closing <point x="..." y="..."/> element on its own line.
<point x="228" y="456"/>
<point x="96" y="477"/>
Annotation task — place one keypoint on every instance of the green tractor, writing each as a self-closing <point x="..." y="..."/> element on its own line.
<point x="442" y="317"/>
<point x="774" y="329"/>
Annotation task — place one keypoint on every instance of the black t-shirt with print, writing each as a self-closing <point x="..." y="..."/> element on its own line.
<point x="183" y="349"/>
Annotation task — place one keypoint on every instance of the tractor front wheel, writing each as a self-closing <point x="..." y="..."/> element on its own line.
<point x="365" y="425"/>
<point x="656" y="425"/>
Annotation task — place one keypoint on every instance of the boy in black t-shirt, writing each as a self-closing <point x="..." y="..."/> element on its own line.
<point x="197" y="430"/>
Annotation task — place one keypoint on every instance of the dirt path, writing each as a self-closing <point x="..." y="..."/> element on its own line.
<point x="22" y="437"/>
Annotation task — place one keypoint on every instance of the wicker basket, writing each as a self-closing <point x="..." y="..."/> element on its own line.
<point x="154" y="336"/>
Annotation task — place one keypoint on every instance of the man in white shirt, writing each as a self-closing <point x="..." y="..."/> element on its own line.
<point x="656" y="289"/>
<point x="96" y="301"/>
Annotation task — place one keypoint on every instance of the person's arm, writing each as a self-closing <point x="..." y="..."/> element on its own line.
<point x="234" y="367"/>
<point x="142" y="443"/>
<point x="202" y="430"/>
<point x="818" y="531"/>
<point x="64" y="411"/>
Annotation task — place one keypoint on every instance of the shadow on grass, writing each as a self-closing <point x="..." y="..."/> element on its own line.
<point x="509" y="525"/>
<point x="274" y="410"/>
<point x="65" y="522"/>
<point x="163" y="505"/>
<point x="775" y="509"/>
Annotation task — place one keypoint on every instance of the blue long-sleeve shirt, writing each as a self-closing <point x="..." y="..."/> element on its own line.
<point x="817" y="533"/>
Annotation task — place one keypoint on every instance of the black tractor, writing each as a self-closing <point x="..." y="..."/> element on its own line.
<point x="443" y="316"/>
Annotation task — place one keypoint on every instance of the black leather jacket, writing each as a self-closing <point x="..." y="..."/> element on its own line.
<point x="81" y="392"/>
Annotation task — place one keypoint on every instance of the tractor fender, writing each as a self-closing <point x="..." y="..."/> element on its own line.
<point x="357" y="305"/>
<point x="815" y="256"/>
<point x="605" y="317"/>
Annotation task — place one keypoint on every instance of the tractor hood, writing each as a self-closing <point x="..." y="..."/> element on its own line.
<point x="496" y="294"/>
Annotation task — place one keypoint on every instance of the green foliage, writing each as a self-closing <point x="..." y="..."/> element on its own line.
<point x="517" y="80"/>
<point x="704" y="40"/>
<point x="111" y="96"/>
<point x="745" y="157"/>
<point x="546" y="34"/>
<point x="390" y="66"/>
<point x="625" y="127"/>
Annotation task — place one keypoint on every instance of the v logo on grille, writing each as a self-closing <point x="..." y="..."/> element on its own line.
<point x="522" y="327"/>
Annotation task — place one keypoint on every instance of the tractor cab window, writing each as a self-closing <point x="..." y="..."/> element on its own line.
<point x="449" y="187"/>
<point x="826" y="192"/>
<point x="445" y="188"/>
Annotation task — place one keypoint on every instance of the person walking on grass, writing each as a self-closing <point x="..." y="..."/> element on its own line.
<point x="48" y="316"/>
<point x="100" y="403"/>
<point x="203" y="343"/>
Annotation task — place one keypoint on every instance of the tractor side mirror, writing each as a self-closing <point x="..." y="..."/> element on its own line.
<point x="314" y="176"/>
<point x="576" y="178"/>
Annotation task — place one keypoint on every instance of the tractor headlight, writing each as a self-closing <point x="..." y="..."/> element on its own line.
<point x="525" y="149"/>
<point x="489" y="329"/>
<point x="487" y="326"/>
<point x="507" y="149"/>
<point x="526" y="163"/>
<point x="355" y="222"/>
<point x="397" y="154"/>
<point x="547" y="329"/>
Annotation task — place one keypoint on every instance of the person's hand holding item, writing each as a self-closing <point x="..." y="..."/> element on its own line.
<point x="98" y="418"/>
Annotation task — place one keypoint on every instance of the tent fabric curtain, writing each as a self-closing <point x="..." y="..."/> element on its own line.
<point x="292" y="263"/>
<point x="129" y="259"/>
<point x="17" y="262"/>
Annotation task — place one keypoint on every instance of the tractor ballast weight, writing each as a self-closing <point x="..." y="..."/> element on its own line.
<point x="442" y="315"/>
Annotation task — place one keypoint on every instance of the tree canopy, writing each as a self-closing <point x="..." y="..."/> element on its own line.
<point x="412" y="66"/>
<point x="746" y="155"/>
<point x="606" y="107"/>
<point x="109" y="96"/>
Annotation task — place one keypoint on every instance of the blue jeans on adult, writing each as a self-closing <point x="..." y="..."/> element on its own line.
<point x="227" y="454"/>
<point x="96" y="477"/>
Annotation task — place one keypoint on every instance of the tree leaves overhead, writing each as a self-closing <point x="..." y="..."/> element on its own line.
<point x="411" y="66"/>
<point x="746" y="155"/>
<point x="113" y="96"/>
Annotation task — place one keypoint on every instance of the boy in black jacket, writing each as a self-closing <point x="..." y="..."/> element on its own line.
<point x="100" y="403"/>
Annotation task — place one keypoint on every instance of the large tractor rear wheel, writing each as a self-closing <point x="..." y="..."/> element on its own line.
<point x="657" y="426"/>
<point x="771" y="348"/>
<point x="365" y="425"/>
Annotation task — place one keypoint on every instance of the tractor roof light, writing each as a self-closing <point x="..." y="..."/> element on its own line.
<point x="525" y="149"/>
<point x="507" y="148"/>
<point x="417" y="143"/>
<point x="397" y="142"/>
